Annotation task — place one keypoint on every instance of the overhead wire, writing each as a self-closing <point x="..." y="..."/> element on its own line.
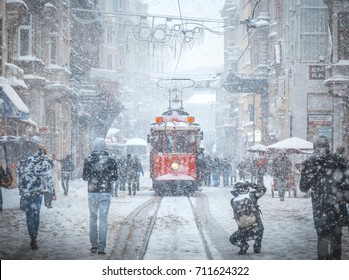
<point x="181" y="45"/>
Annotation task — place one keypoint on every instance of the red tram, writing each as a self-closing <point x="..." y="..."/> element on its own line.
<point x="174" y="142"/>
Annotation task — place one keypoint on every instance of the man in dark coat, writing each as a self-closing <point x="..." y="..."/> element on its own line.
<point x="67" y="166"/>
<point x="282" y="168"/>
<point x="100" y="171"/>
<point x="326" y="176"/>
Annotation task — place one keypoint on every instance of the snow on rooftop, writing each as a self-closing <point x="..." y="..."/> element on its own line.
<point x="136" y="141"/>
<point x="29" y="58"/>
<point x="110" y="75"/>
<point x="19" y="2"/>
<point x="33" y="77"/>
<point x="14" y="97"/>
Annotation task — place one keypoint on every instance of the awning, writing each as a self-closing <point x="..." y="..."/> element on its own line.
<point x="11" y="105"/>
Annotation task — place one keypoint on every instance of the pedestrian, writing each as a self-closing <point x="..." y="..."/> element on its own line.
<point x="138" y="171"/>
<point x="6" y="181"/>
<point x="67" y="166"/>
<point x="122" y="173"/>
<point x="36" y="180"/>
<point x="200" y="166"/>
<point x="56" y="173"/>
<point x="226" y="169"/>
<point x="282" y="169"/>
<point x="242" y="166"/>
<point x="326" y="176"/>
<point x="216" y="171"/>
<point x="208" y="170"/>
<point x="233" y="172"/>
<point x="100" y="172"/>
<point x="247" y="194"/>
<point x="262" y="168"/>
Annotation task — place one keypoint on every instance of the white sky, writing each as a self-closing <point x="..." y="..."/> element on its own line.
<point x="210" y="52"/>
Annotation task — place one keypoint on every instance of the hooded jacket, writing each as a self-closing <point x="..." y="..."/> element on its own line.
<point x="100" y="169"/>
<point x="326" y="175"/>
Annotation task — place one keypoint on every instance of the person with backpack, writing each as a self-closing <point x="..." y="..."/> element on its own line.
<point x="100" y="172"/>
<point x="247" y="216"/>
<point x="326" y="176"/>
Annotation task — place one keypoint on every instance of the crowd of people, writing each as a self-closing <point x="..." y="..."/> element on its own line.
<point x="216" y="171"/>
<point x="41" y="177"/>
<point x="324" y="176"/>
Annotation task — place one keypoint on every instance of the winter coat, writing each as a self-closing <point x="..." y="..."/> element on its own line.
<point x="36" y="176"/>
<point x="134" y="168"/>
<point x="282" y="167"/>
<point x="67" y="165"/>
<point x="100" y="171"/>
<point x="256" y="191"/>
<point x="326" y="176"/>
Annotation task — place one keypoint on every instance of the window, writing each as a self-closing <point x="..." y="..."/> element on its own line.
<point x="250" y="113"/>
<point x="116" y="5"/>
<point x="109" y="35"/>
<point x="181" y="145"/>
<point x="54" y="48"/>
<point x="109" y="62"/>
<point x="25" y="36"/>
<point x="343" y="36"/>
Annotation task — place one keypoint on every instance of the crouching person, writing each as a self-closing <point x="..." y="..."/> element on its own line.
<point x="247" y="216"/>
<point x="100" y="171"/>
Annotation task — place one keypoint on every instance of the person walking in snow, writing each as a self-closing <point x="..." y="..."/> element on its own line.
<point x="100" y="172"/>
<point x="282" y="169"/>
<point x="138" y="171"/>
<point x="208" y="170"/>
<point x="36" y="180"/>
<point x="326" y="176"/>
<point x="67" y="166"/>
<point x="253" y="231"/>
<point x="226" y="171"/>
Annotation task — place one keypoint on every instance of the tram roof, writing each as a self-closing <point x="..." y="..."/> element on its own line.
<point x="175" y="125"/>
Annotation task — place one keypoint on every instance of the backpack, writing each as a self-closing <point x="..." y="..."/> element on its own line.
<point x="245" y="210"/>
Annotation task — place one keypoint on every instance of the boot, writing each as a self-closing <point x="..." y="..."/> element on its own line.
<point x="243" y="249"/>
<point x="257" y="248"/>
<point x="129" y="191"/>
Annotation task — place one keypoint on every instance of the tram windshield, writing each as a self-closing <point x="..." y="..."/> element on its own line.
<point x="180" y="142"/>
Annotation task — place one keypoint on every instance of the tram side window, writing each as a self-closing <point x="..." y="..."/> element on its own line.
<point x="180" y="142"/>
<point x="157" y="142"/>
<point x="191" y="144"/>
<point x="169" y="142"/>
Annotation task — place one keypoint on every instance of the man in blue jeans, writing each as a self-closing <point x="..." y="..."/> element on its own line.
<point x="100" y="172"/>
<point x="35" y="180"/>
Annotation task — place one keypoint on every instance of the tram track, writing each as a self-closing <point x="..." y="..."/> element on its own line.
<point x="165" y="224"/>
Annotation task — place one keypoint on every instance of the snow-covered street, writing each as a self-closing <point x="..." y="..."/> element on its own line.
<point x="64" y="233"/>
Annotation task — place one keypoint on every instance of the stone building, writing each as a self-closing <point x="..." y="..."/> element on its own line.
<point x="35" y="62"/>
<point x="337" y="75"/>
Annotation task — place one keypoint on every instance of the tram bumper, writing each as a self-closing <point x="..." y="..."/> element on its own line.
<point x="173" y="184"/>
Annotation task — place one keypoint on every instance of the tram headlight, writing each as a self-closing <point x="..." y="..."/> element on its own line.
<point x="174" y="165"/>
